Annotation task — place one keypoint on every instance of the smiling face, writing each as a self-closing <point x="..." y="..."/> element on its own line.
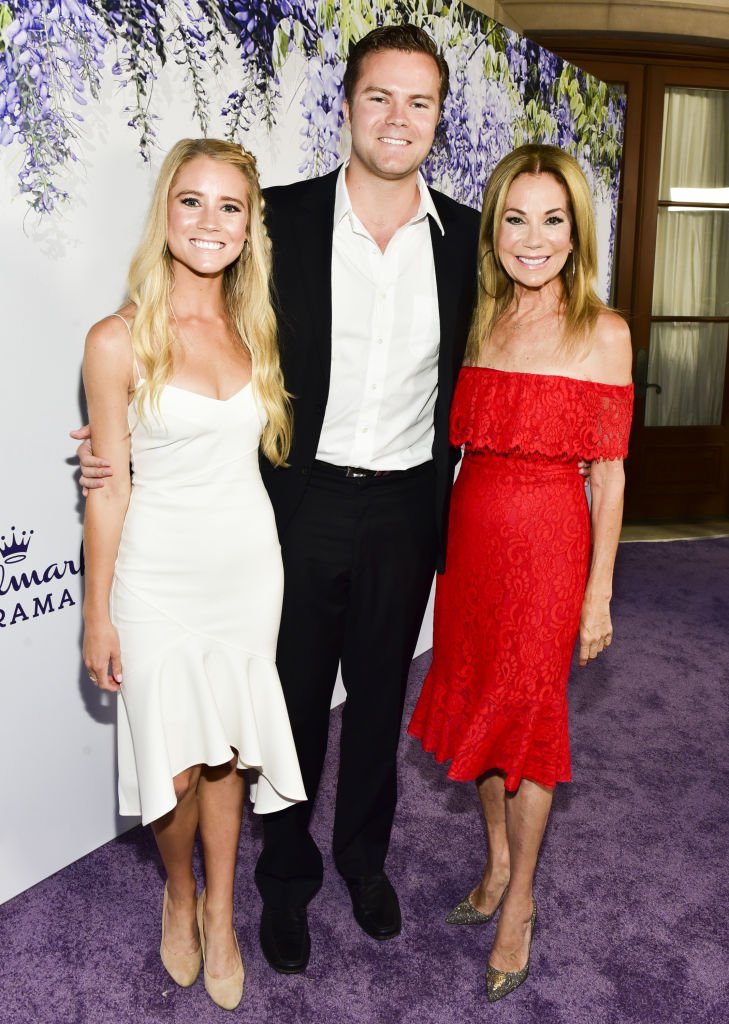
<point x="393" y="113"/>
<point x="207" y="215"/>
<point x="534" y="238"/>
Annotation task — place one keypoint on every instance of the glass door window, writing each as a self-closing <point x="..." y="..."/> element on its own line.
<point x="690" y="309"/>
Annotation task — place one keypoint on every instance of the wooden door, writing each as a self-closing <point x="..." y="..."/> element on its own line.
<point x="679" y="460"/>
<point x="675" y="469"/>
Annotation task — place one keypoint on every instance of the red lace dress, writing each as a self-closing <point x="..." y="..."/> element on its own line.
<point x="507" y="609"/>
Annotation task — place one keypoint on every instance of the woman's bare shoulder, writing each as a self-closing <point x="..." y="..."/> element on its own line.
<point x="108" y="348"/>
<point x="111" y="333"/>
<point x="611" y="353"/>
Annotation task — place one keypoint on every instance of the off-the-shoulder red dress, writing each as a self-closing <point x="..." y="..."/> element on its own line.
<point x="507" y="609"/>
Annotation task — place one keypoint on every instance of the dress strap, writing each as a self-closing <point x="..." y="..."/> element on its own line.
<point x="137" y="373"/>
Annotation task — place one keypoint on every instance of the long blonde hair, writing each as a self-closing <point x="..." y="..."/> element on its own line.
<point x="580" y="304"/>
<point x="246" y="288"/>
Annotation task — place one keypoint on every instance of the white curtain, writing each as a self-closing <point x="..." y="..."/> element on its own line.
<point x="692" y="264"/>
<point x="688" y="361"/>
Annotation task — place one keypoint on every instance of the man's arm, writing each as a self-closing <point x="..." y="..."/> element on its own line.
<point x="93" y="469"/>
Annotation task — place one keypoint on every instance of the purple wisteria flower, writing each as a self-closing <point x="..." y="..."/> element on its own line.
<point x="566" y="128"/>
<point x="322" y="104"/>
<point x="549" y="68"/>
<point x="253" y="24"/>
<point x="138" y="28"/>
<point x="189" y="39"/>
<point x="504" y="89"/>
<point x="51" y="53"/>
<point x="476" y="130"/>
<point x="516" y="59"/>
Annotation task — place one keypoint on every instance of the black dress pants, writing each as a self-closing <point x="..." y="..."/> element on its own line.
<point x="359" y="557"/>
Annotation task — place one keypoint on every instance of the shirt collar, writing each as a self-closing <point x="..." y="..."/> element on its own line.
<point x="343" y="205"/>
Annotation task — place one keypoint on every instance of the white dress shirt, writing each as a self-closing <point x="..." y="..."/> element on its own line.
<point x="385" y="340"/>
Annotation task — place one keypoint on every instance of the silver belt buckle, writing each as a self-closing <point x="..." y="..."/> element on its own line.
<point x="354" y="473"/>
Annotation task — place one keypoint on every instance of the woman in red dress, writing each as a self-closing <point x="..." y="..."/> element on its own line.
<point x="529" y="566"/>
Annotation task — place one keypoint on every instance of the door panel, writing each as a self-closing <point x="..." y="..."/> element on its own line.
<point x="679" y="450"/>
<point x="686" y="367"/>
<point x="679" y="463"/>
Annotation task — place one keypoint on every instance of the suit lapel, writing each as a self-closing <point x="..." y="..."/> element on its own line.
<point x="315" y="227"/>
<point x="448" y="264"/>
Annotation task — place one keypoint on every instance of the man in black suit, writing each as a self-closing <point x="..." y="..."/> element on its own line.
<point x="374" y="276"/>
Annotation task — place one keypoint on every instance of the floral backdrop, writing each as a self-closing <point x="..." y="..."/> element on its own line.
<point x="84" y="85"/>
<point x="505" y="90"/>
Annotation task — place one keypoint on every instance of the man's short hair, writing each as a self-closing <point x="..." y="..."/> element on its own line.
<point x="408" y="39"/>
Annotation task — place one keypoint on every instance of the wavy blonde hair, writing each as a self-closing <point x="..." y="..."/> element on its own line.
<point x="246" y="287"/>
<point x="580" y="304"/>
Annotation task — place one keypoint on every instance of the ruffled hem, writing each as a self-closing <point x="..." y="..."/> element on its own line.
<point x="520" y="741"/>
<point x="198" y="705"/>
<point x="512" y="777"/>
<point x="540" y="415"/>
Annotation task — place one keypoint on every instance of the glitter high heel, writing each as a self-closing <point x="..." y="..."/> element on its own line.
<point x="465" y="912"/>
<point x="501" y="983"/>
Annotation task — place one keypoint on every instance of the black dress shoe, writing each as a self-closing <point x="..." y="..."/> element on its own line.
<point x="375" y="905"/>
<point x="285" y="939"/>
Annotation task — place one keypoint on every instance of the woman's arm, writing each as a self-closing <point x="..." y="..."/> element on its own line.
<point x="607" y="484"/>
<point x="108" y="381"/>
<point x="610" y="361"/>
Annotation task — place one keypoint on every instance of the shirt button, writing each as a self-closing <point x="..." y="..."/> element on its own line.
<point x="379" y="341"/>
<point x="364" y="430"/>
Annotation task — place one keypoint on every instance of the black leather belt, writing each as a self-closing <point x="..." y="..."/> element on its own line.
<point x="360" y="473"/>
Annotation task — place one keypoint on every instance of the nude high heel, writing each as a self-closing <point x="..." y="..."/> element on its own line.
<point x="183" y="968"/>
<point x="226" y="992"/>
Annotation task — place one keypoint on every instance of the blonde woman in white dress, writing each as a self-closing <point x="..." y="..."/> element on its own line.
<point x="183" y="569"/>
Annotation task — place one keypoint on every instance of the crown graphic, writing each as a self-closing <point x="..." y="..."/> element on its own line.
<point x="16" y="549"/>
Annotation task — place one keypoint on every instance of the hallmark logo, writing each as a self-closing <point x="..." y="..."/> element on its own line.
<point x="15" y="550"/>
<point x="17" y="586"/>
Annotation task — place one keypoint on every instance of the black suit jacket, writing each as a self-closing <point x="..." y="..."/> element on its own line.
<point x="300" y="222"/>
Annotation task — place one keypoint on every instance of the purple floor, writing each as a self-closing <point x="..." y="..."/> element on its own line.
<point x="632" y="880"/>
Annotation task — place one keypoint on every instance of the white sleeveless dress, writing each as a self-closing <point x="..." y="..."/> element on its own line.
<point x="196" y="599"/>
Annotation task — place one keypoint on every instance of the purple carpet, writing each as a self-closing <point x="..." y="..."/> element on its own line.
<point x="632" y="881"/>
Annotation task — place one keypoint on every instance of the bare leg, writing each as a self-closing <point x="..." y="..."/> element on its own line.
<point x="220" y="801"/>
<point x="175" y="836"/>
<point x="487" y="894"/>
<point x="526" y="818"/>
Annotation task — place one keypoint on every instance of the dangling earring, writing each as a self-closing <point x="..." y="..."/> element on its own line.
<point x="246" y="252"/>
<point x="572" y="253"/>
